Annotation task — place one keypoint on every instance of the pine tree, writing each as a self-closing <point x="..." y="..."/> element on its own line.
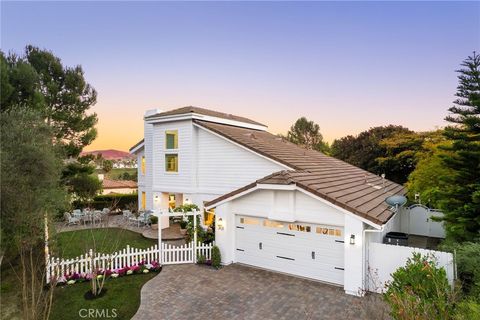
<point x="461" y="197"/>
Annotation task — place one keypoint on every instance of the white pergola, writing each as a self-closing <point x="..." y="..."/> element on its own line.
<point x="166" y="213"/>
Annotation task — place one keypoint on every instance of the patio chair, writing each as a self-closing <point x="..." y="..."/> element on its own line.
<point x="106" y="211"/>
<point x="69" y="220"/>
<point x="97" y="216"/>
<point x="127" y="214"/>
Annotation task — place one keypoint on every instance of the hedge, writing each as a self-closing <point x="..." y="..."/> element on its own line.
<point x="107" y="201"/>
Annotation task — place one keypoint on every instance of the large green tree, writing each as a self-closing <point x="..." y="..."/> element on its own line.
<point x="365" y="149"/>
<point x="30" y="192"/>
<point x="307" y="134"/>
<point x="461" y="198"/>
<point x="404" y="150"/>
<point x="61" y="95"/>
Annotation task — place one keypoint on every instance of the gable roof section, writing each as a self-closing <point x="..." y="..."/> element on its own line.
<point x="137" y="146"/>
<point x="205" y="112"/>
<point x="336" y="181"/>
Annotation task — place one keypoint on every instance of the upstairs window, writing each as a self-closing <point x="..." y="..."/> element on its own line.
<point x="171" y="162"/>
<point x="143" y="165"/>
<point x="171" y="139"/>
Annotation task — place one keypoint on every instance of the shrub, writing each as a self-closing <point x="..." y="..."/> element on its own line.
<point x="201" y="259"/>
<point x="183" y="224"/>
<point x="468" y="262"/>
<point x="118" y="201"/>
<point x="420" y="290"/>
<point x="467" y="310"/>
<point x="216" y="257"/>
<point x="186" y="208"/>
<point x="154" y="219"/>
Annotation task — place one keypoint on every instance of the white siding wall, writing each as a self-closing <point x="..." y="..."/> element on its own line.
<point x="148" y="150"/>
<point x="140" y="176"/>
<point x="223" y="167"/>
<point x="182" y="180"/>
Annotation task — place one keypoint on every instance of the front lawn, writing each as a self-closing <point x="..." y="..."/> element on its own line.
<point x="122" y="298"/>
<point x="107" y="240"/>
<point x="123" y="294"/>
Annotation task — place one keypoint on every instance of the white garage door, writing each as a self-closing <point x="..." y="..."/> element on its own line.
<point x="307" y="250"/>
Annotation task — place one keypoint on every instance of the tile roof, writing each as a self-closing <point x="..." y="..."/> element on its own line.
<point x="336" y="181"/>
<point x="205" y="112"/>
<point x="118" y="184"/>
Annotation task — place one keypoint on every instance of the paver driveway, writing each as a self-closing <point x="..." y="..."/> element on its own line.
<point x="241" y="292"/>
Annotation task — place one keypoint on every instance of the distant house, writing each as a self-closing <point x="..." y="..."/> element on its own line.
<point x="118" y="186"/>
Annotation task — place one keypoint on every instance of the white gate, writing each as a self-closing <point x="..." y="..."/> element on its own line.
<point x="417" y="220"/>
<point x="171" y="254"/>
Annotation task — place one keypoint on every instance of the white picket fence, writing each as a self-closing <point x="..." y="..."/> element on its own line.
<point x="185" y="254"/>
<point x="169" y="254"/>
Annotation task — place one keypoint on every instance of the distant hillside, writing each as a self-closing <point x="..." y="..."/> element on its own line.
<point x="110" y="154"/>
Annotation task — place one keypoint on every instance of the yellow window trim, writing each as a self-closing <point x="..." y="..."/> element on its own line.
<point x="175" y="139"/>
<point x="143" y="165"/>
<point x="174" y="168"/>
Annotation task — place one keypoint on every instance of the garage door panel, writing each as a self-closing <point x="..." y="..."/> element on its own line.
<point x="307" y="254"/>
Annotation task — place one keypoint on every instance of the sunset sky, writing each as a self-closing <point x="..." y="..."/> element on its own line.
<point x="346" y="65"/>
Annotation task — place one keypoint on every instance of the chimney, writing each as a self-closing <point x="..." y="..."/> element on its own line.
<point x="152" y="112"/>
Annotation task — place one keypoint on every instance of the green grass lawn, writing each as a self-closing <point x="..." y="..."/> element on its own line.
<point x="114" y="174"/>
<point x="123" y="293"/>
<point x="107" y="240"/>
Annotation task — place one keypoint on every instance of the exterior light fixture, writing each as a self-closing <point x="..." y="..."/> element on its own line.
<point x="220" y="225"/>
<point x="352" y="239"/>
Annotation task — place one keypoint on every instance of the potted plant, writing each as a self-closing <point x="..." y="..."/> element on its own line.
<point x="183" y="227"/>
<point x="154" y="222"/>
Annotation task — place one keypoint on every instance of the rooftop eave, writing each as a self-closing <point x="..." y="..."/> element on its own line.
<point x="136" y="148"/>
<point x="197" y="116"/>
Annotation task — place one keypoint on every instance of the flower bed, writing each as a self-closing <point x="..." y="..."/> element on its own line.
<point x="142" y="267"/>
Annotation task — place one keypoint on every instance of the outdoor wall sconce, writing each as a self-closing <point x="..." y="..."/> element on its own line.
<point x="352" y="239"/>
<point x="220" y="225"/>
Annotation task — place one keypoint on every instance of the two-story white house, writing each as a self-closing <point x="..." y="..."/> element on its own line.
<point x="277" y="206"/>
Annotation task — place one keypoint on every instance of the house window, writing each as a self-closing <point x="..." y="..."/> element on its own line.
<point x="171" y="139"/>
<point x="299" y="227"/>
<point x="171" y="201"/>
<point x="143" y="165"/>
<point x="209" y="217"/>
<point x="329" y="231"/>
<point x="249" y="221"/>
<point x="144" y="200"/>
<point x="272" y="224"/>
<point x="171" y="162"/>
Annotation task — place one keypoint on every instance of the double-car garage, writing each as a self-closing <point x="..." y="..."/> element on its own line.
<point x="303" y="249"/>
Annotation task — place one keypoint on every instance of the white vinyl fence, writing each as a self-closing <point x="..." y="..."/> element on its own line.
<point x="184" y="254"/>
<point x="127" y="257"/>
<point x="385" y="259"/>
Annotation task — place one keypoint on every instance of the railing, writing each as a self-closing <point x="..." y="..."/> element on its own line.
<point x="127" y="257"/>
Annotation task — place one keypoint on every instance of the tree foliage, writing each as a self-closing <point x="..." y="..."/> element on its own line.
<point x="81" y="181"/>
<point x="460" y="201"/>
<point x="30" y="193"/>
<point x="420" y="290"/>
<point x="107" y="166"/>
<point x="367" y="151"/>
<point x="60" y="94"/>
<point x="307" y="134"/>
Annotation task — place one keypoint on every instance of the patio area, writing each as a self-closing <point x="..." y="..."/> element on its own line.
<point x="117" y="221"/>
